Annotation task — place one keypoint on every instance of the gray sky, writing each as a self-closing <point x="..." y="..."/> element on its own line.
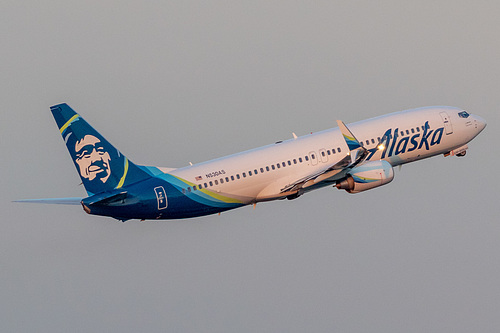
<point x="174" y="82"/>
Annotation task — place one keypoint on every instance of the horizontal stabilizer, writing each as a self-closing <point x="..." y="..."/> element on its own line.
<point x="54" y="201"/>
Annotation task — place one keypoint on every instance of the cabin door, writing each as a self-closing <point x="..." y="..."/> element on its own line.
<point x="447" y="123"/>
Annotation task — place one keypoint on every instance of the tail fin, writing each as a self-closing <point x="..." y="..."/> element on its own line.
<point x="100" y="165"/>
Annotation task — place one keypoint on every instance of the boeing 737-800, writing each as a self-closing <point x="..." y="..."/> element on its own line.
<point x="355" y="158"/>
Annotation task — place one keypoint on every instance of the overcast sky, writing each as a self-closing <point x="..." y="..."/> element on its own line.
<point x="173" y="82"/>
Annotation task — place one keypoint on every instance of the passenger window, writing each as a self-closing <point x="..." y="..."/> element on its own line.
<point x="211" y="184"/>
<point x="216" y="182"/>
<point x="189" y="189"/>
<point x="306" y="158"/>
<point x="418" y="129"/>
<point x="300" y="159"/>
<point x="200" y="187"/>
<point x="339" y="150"/>
<point x="255" y="171"/>
<point x="244" y="175"/>
<point x="407" y="132"/>
<point x="267" y="168"/>
<point x="261" y="170"/>
<point x="361" y="143"/>
<point x="373" y="141"/>
<point x="328" y="152"/>
<point x="294" y="161"/>
<point x="278" y="165"/>
<point x="289" y="163"/>
<point x="402" y="133"/>
<point x="227" y="179"/>
<point x="323" y="153"/>
<point x="249" y="173"/>
<point x="222" y="181"/>
<point x="232" y="178"/>
<point x="183" y="191"/>
<point x="412" y="130"/>
<point x="313" y="157"/>
<point x="367" y="142"/>
<point x="237" y="176"/>
<point x="283" y="163"/>
<point x="194" y="188"/>
<point x="272" y="166"/>
<point x="206" y="185"/>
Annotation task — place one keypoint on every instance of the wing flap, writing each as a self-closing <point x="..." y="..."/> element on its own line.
<point x="356" y="155"/>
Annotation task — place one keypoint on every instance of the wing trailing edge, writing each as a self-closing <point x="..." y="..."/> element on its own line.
<point x="356" y="155"/>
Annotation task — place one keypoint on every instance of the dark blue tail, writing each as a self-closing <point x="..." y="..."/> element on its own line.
<point x="100" y="165"/>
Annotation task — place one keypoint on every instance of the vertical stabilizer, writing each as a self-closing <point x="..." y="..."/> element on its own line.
<point x="100" y="165"/>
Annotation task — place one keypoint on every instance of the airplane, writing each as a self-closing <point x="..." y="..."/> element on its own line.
<point x="354" y="158"/>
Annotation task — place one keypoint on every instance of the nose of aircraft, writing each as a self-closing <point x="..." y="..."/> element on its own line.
<point x="481" y="123"/>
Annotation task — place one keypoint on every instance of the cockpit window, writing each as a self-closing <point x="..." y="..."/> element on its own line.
<point x="463" y="114"/>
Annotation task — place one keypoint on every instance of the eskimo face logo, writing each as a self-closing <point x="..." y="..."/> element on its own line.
<point x="92" y="159"/>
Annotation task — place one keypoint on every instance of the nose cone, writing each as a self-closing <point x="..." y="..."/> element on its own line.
<point x="480" y="123"/>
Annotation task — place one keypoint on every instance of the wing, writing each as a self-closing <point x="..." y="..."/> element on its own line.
<point x="338" y="170"/>
<point x="57" y="201"/>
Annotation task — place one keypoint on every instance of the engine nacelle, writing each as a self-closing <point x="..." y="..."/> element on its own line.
<point x="367" y="176"/>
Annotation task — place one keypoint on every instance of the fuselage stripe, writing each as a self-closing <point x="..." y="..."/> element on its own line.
<point x="210" y="193"/>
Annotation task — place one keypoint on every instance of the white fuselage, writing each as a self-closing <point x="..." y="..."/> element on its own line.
<point x="260" y="174"/>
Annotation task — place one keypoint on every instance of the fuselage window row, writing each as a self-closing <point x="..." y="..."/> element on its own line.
<point x="256" y="171"/>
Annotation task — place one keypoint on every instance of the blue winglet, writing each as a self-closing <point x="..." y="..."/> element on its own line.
<point x="349" y="138"/>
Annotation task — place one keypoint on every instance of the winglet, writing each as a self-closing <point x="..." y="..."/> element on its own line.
<point x="356" y="150"/>
<point x="349" y="138"/>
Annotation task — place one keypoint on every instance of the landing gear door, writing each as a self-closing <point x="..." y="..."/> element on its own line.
<point x="447" y="123"/>
<point x="161" y="197"/>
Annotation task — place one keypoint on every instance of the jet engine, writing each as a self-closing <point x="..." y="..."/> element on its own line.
<point x="367" y="176"/>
